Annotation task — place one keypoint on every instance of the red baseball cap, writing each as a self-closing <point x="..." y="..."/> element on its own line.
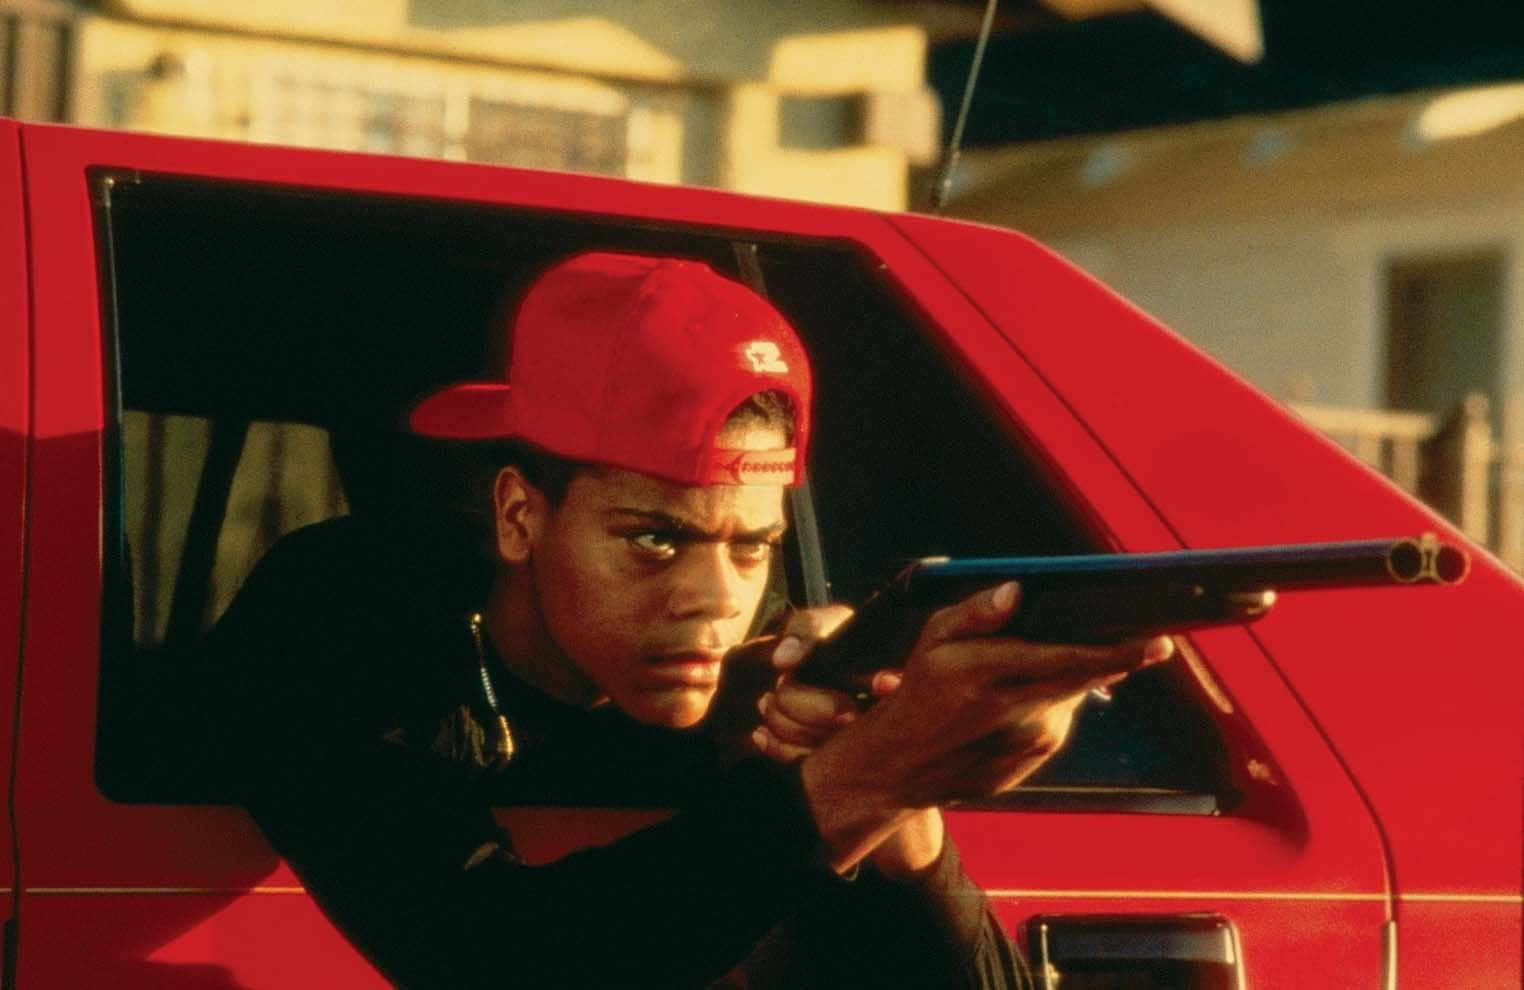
<point x="636" y="362"/>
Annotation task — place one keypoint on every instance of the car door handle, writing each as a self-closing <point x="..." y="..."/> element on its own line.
<point x="1076" y="952"/>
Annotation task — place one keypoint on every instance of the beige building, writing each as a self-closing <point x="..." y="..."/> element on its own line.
<point x="1348" y="259"/>
<point x="825" y="101"/>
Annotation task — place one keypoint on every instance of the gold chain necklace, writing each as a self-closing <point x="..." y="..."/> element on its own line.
<point x="504" y="747"/>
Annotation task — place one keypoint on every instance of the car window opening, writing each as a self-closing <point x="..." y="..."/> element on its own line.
<point x="268" y="341"/>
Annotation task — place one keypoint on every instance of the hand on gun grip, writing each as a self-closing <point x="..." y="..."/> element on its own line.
<point x="976" y="712"/>
<point x="796" y="718"/>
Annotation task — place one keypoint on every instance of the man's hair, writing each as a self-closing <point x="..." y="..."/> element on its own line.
<point x="771" y="410"/>
<point x="549" y="473"/>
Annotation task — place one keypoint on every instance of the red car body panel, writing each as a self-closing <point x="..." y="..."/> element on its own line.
<point x="1358" y="765"/>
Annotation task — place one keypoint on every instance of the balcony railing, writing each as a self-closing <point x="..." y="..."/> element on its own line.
<point x="1453" y="461"/>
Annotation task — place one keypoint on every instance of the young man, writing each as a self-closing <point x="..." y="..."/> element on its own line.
<point x="384" y="703"/>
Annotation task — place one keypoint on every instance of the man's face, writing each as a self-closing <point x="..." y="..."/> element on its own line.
<point x="644" y="585"/>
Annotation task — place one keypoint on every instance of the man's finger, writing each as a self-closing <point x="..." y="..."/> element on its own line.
<point x="773" y="747"/>
<point x="793" y="733"/>
<point x="886" y="682"/>
<point x="975" y="616"/>
<point x="1013" y="663"/>
<point x="804" y="629"/>
<point x="1060" y="690"/>
<point x="1057" y="663"/>
<point x="812" y="706"/>
<point x="793" y="730"/>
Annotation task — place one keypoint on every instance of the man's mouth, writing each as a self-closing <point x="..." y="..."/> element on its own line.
<point x="688" y="668"/>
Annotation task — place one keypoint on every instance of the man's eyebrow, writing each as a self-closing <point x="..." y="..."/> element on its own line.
<point x="672" y="524"/>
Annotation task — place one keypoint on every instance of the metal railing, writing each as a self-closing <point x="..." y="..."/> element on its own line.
<point x="1453" y="461"/>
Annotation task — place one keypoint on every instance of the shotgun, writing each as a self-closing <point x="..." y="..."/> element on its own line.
<point x="1107" y="598"/>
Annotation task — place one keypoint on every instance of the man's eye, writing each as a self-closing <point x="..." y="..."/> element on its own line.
<point x="661" y="545"/>
<point x="752" y="551"/>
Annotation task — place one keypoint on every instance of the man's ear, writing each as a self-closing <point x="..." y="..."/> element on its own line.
<point x="519" y="513"/>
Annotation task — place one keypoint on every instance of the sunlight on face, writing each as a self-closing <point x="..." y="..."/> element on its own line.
<point x="644" y="584"/>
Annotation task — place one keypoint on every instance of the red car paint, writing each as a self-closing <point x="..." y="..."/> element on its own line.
<point x="1377" y="739"/>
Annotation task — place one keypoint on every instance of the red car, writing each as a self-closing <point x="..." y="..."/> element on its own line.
<point x="204" y="346"/>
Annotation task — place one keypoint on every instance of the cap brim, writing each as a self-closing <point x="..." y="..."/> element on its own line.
<point x="473" y="411"/>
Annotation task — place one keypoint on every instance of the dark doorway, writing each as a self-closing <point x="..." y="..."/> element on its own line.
<point x="1444" y="328"/>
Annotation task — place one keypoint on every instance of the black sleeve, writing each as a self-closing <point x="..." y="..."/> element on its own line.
<point x="936" y="930"/>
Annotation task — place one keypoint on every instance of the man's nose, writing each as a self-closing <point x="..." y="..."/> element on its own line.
<point x="708" y="585"/>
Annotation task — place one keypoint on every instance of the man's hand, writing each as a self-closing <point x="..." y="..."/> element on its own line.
<point x="974" y="715"/>
<point x="797" y="718"/>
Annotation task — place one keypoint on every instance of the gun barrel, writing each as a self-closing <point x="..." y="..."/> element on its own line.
<point x="1426" y="559"/>
<point x="1099" y="598"/>
<point x="1291" y="567"/>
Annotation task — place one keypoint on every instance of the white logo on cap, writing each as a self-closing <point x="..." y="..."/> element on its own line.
<point x="765" y="358"/>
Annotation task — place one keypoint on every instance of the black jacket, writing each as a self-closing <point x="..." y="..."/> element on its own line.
<point x="352" y="715"/>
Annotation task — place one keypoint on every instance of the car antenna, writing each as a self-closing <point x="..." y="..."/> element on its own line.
<point x="940" y="188"/>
